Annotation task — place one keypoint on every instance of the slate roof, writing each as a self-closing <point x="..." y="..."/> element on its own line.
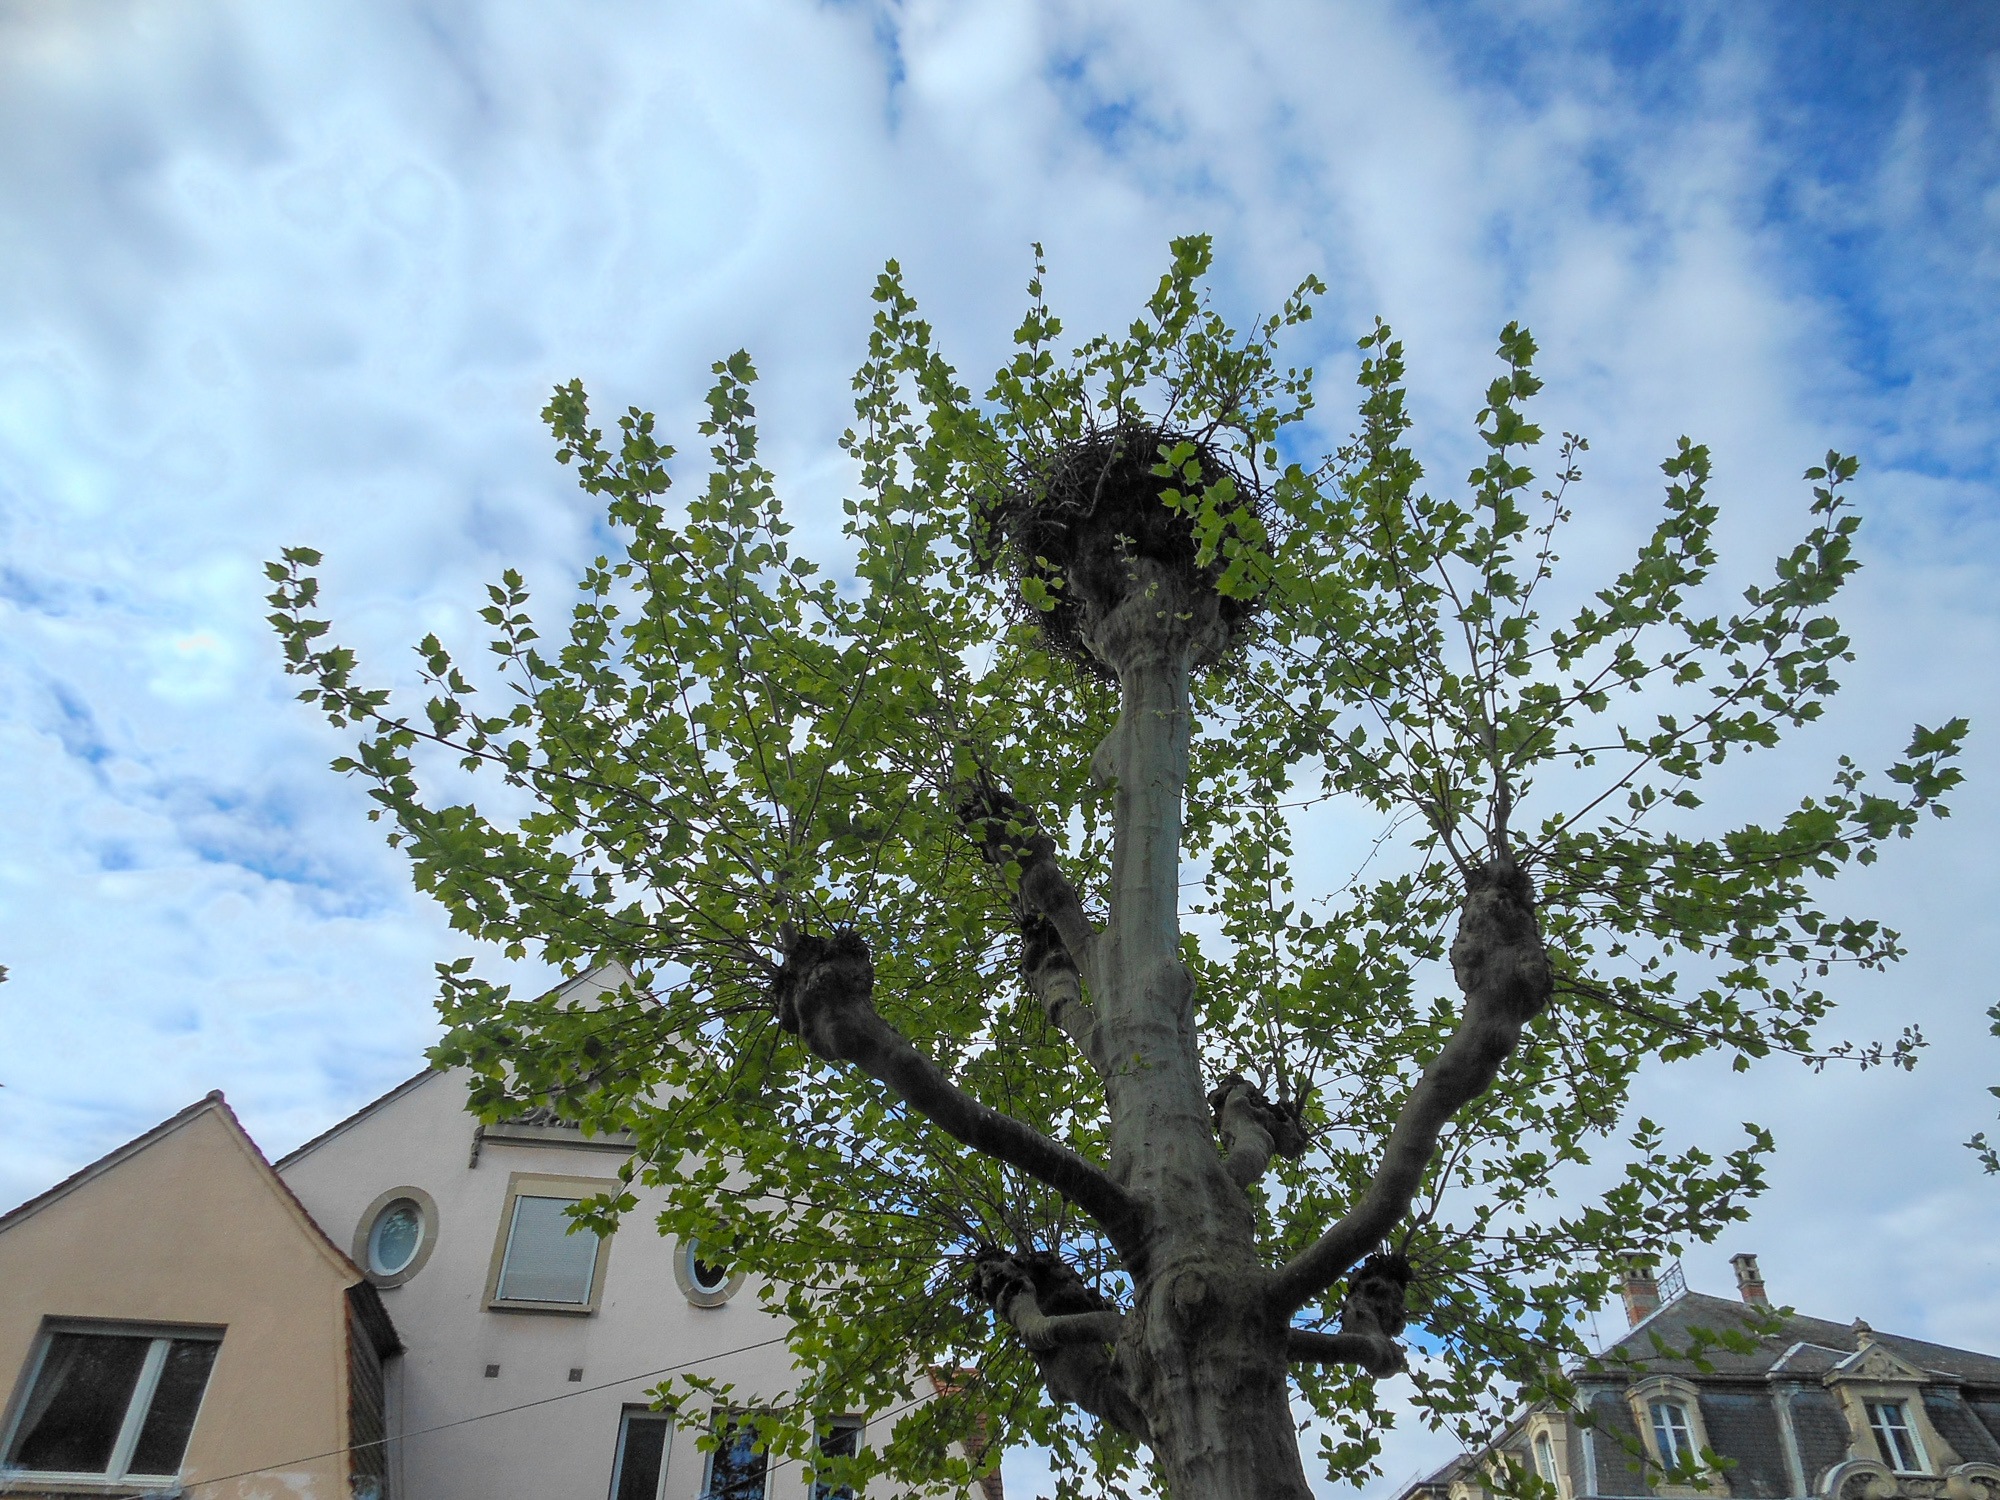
<point x="1805" y="1346"/>
<point x="1736" y="1398"/>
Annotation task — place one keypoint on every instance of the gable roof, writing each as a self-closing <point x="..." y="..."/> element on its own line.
<point x="604" y="976"/>
<point x="214" y="1104"/>
<point x="340" y="1127"/>
<point x="1803" y="1346"/>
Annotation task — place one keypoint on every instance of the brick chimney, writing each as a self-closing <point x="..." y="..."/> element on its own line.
<point x="1641" y="1292"/>
<point x="1749" y="1280"/>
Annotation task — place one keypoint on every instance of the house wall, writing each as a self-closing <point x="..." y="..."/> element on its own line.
<point x="423" y="1138"/>
<point x="189" y="1230"/>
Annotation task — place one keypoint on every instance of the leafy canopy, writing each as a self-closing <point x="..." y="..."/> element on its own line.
<point x="727" y="744"/>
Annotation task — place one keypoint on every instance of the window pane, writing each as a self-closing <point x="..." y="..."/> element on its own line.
<point x="1545" y="1458"/>
<point x="393" y="1243"/>
<point x="1892" y="1432"/>
<point x="1670" y="1433"/>
<point x="708" y="1275"/>
<point x="642" y="1451"/>
<point x="71" y="1421"/>
<point x="546" y="1263"/>
<point x="170" y="1419"/>
<point x="840" y="1438"/>
<point x="736" y="1472"/>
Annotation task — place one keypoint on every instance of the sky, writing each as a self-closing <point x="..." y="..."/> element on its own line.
<point x="304" y="274"/>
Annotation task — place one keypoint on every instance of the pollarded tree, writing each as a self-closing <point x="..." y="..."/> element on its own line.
<point x="978" y="1005"/>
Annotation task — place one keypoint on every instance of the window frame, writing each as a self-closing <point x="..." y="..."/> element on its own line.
<point x="116" y="1474"/>
<point x="1674" y="1390"/>
<point x="364" y="1233"/>
<point x="626" y="1417"/>
<point x="1550" y="1428"/>
<point x="1883" y="1431"/>
<point x="1675" y="1433"/>
<point x="723" y="1419"/>
<point x="845" y="1422"/>
<point x="1543" y="1447"/>
<point x="547" y="1185"/>
<point x="697" y="1294"/>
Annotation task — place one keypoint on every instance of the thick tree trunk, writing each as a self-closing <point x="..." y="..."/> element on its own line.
<point x="1203" y="1351"/>
<point x="1210" y="1374"/>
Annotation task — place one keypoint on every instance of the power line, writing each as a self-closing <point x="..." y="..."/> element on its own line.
<point x="504" y="1411"/>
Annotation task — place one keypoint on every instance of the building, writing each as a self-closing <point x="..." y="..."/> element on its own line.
<point x="172" y="1316"/>
<point x="461" y="1229"/>
<point x="1814" y="1409"/>
<point x="397" y="1309"/>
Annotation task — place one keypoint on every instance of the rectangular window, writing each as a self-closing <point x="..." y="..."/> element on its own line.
<point x="538" y="1263"/>
<point x="1895" y="1437"/>
<point x="544" y="1261"/>
<point x="739" y="1466"/>
<point x="643" y="1437"/>
<point x="1671" y="1435"/>
<point x="840" y="1438"/>
<point x="114" y="1402"/>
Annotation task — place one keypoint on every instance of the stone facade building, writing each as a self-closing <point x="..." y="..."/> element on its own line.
<point x="1816" y="1409"/>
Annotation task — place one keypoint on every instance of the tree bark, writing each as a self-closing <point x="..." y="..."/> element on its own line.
<point x="1203" y="1350"/>
<point x="1197" y="1368"/>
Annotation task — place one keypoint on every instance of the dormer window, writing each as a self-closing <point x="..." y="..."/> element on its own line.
<point x="1881" y="1396"/>
<point x="1545" y="1458"/>
<point x="1901" y="1449"/>
<point x="1666" y="1409"/>
<point x="1547" y="1453"/>
<point x="1671" y="1436"/>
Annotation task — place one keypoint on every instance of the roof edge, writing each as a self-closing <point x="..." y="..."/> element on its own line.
<point x="112" y="1158"/>
<point x="340" y="1127"/>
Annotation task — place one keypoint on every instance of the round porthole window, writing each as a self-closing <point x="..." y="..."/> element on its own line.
<point x="396" y="1238"/>
<point x="705" y="1279"/>
<point x="395" y="1235"/>
<point x="707" y="1275"/>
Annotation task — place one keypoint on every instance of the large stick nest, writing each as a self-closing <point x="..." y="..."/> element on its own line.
<point x="1076" y="519"/>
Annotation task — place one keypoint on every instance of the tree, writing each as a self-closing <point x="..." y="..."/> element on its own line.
<point x="977" y="1003"/>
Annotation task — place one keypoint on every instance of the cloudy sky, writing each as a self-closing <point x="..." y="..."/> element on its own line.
<point x="305" y="273"/>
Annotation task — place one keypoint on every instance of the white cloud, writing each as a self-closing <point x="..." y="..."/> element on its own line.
<point x="297" y="274"/>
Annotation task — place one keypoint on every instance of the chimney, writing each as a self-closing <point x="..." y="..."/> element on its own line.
<point x="1749" y="1281"/>
<point x="1641" y="1292"/>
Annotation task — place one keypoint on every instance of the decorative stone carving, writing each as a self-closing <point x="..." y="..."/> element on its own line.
<point x="1973" y="1482"/>
<point x="1868" y="1479"/>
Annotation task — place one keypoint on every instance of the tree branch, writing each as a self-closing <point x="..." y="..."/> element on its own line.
<point x="1051" y="976"/>
<point x="1375" y="1354"/>
<point x="1066" y="1324"/>
<point x="1371" y="1317"/>
<point x="1008" y="833"/>
<point x="1056" y="936"/>
<point x="824" y="995"/>
<point x="1253" y="1129"/>
<point x="1504" y="975"/>
<point x="1042" y="1332"/>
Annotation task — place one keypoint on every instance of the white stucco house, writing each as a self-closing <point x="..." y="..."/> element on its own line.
<point x="528" y="1351"/>
<point x="394" y="1311"/>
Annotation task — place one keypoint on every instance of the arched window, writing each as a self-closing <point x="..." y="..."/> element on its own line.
<point x="1545" y="1458"/>
<point x="1671" y="1436"/>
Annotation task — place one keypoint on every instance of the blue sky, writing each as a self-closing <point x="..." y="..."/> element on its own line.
<point x="305" y="274"/>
